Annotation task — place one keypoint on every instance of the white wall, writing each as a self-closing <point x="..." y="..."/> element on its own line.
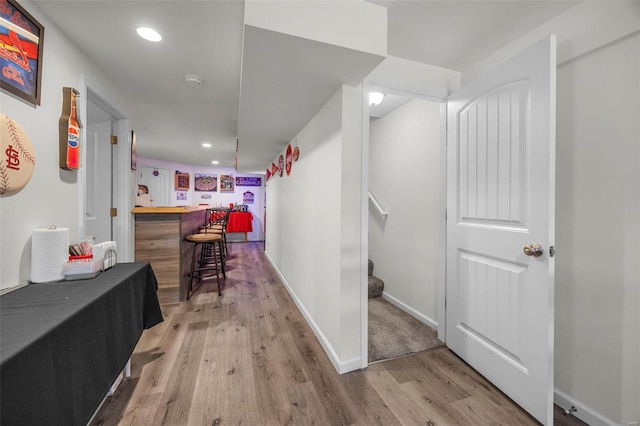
<point x="404" y="175"/>
<point x="313" y="234"/>
<point x="597" y="336"/>
<point x="53" y="195"/>
<point x="598" y="230"/>
<point x="222" y="198"/>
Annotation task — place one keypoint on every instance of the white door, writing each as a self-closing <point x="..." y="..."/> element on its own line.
<point x="98" y="192"/>
<point x="158" y="182"/>
<point x="500" y="198"/>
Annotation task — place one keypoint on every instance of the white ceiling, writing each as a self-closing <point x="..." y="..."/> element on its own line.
<point x="261" y="89"/>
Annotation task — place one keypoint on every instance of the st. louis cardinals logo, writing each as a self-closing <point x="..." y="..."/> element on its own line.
<point x="16" y="157"/>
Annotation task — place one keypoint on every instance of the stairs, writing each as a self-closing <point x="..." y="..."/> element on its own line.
<point x="376" y="285"/>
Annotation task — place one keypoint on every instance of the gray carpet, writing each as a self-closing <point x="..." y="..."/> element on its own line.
<point x="393" y="332"/>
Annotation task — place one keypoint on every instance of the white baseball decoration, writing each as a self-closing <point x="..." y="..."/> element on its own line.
<point x="16" y="157"/>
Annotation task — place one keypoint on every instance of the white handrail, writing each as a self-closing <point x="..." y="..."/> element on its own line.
<point x="375" y="202"/>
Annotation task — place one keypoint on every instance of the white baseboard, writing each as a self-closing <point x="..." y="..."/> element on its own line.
<point x="417" y="315"/>
<point x="340" y="366"/>
<point x="584" y="413"/>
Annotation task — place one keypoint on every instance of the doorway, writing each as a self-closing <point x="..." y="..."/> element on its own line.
<point x="99" y="172"/>
<point x="405" y="224"/>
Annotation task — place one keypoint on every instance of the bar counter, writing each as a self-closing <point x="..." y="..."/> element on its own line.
<point x="160" y="240"/>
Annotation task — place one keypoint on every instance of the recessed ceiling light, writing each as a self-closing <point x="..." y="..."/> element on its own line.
<point x="375" y="98"/>
<point x="148" y="34"/>
<point x="215" y="162"/>
<point x="206" y="145"/>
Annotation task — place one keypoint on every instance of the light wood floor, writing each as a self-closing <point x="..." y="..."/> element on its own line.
<point x="249" y="358"/>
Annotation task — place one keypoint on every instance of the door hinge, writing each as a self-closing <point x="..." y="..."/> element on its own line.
<point x="113" y="212"/>
<point x="114" y="140"/>
<point x="552" y="251"/>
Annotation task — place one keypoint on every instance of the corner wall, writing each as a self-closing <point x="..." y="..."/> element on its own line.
<point x="597" y="360"/>
<point x="53" y="195"/>
<point x="313" y="237"/>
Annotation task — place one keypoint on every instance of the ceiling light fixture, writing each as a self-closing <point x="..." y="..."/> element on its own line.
<point x="149" y="34"/>
<point x="193" y="80"/>
<point x="215" y="162"/>
<point x="375" y="98"/>
<point x="206" y="145"/>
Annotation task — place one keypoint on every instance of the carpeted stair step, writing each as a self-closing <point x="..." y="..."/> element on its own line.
<point x="376" y="285"/>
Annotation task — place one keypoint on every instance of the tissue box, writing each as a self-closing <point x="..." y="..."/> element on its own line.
<point x="81" y="269"/>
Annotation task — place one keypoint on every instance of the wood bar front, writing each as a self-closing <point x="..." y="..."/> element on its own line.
<point x="160" y="240"/>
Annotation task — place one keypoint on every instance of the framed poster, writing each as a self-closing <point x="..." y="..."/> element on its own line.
<point x="21" y="43"/>
<point x="205" y="182"/>
<point x="134" y="151"/>
<point x="226" y="183"/>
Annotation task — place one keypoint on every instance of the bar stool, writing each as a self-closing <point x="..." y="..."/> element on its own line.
<point x="216" y="220"/>
<point x="211" y="260"/>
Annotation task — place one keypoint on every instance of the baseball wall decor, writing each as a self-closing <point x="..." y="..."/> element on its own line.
<point x="18" y="159"/>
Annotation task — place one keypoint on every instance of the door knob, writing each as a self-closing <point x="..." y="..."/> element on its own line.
<point x="534" y="250"/>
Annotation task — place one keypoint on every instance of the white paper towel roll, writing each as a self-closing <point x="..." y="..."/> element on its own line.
<point x="49" y="252"/>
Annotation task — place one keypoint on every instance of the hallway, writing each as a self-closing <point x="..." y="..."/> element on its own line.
<point x="250" y="358"/>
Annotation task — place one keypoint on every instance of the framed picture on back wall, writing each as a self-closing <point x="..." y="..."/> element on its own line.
<point x="226" y="183"/>
<point x="21" y="44"/>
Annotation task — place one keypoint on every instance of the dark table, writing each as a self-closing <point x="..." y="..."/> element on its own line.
<point x="63" y="344"/>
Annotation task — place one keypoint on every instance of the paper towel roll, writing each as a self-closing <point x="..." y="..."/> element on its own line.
<point x="49" y="252"/>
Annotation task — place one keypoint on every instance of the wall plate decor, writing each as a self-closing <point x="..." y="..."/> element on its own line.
<point x="21" y="44"/>
<point x="296" y="153"/>
<point x="69" y="130"/>
<point x="288" y="159"/>
<point x="205" y="182"/>
<point x="18" y="159"/>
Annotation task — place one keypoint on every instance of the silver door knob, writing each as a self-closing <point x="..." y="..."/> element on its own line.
<point x="534" y="250"/>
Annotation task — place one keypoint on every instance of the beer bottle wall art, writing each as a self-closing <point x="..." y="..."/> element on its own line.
<point x="69" y="129"/>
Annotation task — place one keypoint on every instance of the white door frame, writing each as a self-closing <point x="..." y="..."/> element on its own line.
<point x="435" y="96"/>
<point x="122" y="230"/>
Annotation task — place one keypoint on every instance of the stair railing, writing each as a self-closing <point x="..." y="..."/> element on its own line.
<point x="375" y="202"/>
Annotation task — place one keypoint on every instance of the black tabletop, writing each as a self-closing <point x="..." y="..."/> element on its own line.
<point x="62" y="344"/>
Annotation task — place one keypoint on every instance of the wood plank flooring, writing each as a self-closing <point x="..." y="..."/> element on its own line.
<point x="249" y="358"/>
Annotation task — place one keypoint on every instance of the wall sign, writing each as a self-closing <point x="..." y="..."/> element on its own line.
<point x="69" y="131"/>
<point x="248" y="197"/>
<point x="248" y="181"/>
<point x="21" y="41"/>
<point x="281" y="165"/>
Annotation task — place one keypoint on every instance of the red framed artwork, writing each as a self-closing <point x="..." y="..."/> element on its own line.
<point x="134" y="151"/>
<point x="21" y="44"/>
